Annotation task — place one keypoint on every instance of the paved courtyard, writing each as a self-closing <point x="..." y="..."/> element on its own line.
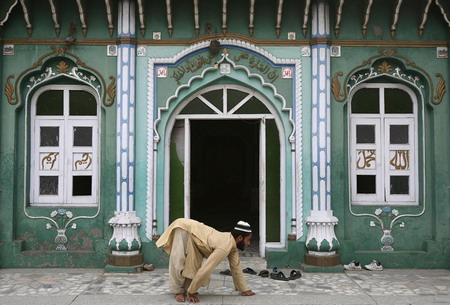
<point x="94" y="286"/>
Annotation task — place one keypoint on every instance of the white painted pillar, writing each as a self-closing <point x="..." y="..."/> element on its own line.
<point x="125" y="239"/>
<point x="321" y="239"/>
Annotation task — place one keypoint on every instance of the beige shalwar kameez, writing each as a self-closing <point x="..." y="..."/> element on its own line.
<point x="202" y="242"/>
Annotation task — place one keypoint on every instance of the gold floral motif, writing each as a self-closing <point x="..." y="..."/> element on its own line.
<point x="365" y="158"/>
<point x="56" y="51"/>
<point x="440" y="89"/>
<point x="86" y="159"/>
<point x="400" y="161"/>
<point x="62" y="67"/>
<point x="9" y="90"/>
<point x="384" y="67"/>
<point x="340" y="95"/>
<point x="336" y="87"/>
<point x="49" y="159"/>
<point x="388" y="52"/>
<point x="111" y="91"/>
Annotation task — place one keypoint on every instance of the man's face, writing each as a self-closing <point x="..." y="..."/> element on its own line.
<point x="242" y="243"/>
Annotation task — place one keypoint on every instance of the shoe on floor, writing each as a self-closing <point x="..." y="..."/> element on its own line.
<point x="225" y="272"/>
<point x="353" y="266"/>
<point x="278" y="276"/>
<point x="374" y="266"/>
<point x="249" y="271"/>
<point x="295" y="275"/>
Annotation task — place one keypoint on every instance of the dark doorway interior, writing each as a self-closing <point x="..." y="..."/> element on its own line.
<point x="225" y="173"/>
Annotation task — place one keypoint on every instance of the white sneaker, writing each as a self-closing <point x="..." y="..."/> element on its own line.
<point x="353" y="266"/>
<point x="374" y="266"/>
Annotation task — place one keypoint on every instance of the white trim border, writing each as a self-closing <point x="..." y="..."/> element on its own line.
<point x="153" y="136"/>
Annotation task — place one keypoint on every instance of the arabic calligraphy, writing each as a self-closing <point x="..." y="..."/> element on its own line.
<point x="86" y="161"/>
<point x="260" y="65"/>
<point x="366" y="158"/>
<point x="190" y="66"/>
<point x="400" y="161"/>
<point x="49" y="160"/>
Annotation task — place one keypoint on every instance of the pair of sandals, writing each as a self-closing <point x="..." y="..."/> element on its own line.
<point x="246" y="270"/>
<point x="275" y="274"/>
<point x="279" y="275"/>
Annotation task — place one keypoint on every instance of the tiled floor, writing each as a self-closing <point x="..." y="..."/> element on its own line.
<point x="29" y="282"/>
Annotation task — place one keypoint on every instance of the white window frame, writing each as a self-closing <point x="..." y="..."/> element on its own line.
<point x="376" y="169"/>
<point x="382" y="147"/>
<point x="66" y="151"/>
<point x="224" y="114"/>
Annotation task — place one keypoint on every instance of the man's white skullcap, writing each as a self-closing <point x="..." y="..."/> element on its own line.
<point x="243" y="227"/>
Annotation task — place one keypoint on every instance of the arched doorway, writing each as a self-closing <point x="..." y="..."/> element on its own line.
<point x="226" y="163"/>
<point x="225" y="172"/>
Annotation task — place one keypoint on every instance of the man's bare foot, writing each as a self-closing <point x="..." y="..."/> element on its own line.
<point x="179" y="297"/>
<point x="193" y="298"/>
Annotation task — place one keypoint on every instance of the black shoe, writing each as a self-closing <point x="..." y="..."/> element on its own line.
<point x="249" y="271"/>
<point x="279" y="276"/>
<point x="295" y="275"/>
<point x="225" y="272"/>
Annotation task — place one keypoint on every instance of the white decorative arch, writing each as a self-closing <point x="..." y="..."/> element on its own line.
<point x="295" y="118"/>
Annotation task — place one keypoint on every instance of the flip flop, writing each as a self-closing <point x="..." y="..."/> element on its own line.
<point x="249" y="271"/>
<point x="225" y="272"/>
<point x="295" y="275"/>
<point x="263" y="273"/>
<point x="279" y="276"/>
<point x="275" y="270"/>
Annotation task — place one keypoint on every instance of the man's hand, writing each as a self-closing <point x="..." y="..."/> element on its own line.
<point x="193" y="298"/>
<point x="248" y="293"/>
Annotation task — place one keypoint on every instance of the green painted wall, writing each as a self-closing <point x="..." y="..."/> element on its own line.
<point x="380" y="21"/>
<point x="26" y="242"/>
<point x="423" y="242"/>
<point x="176" y="185"/>
<point x="44" y="27"/>
<point x="211" y="13"/>
<point x="166" y="88"/>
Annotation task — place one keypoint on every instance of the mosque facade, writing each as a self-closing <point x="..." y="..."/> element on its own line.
<point x="323" y="123"/>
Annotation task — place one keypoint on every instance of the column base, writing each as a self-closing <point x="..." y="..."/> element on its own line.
<point x="124" y="269"/>
<point x="322" y="260"/>
<point x="125" y="263"/>
<point x="317" y="269"/>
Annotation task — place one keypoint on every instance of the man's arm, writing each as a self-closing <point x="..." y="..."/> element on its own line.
<point x="236" y="271"/>
<point x="203" y="274"/>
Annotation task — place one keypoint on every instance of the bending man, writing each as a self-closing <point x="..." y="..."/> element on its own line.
<point x="188" y="241"/>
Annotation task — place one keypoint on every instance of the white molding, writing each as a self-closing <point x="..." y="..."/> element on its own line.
<point x="381" y="145"/>
<point x="26" y="177"/>
<point x="224" y="43"/>
<point x="151" y="196"/>
<point x="125" y="225"/>
<point x="298" y="169"/>
<point x="421" y="199"/>
<point x="235" y="67"/>
<point x="64" y="122"/>
<point x="282" y="136"/>
<point x="262" y="187"/>
<point x="153" y="137"/>
<point x="360" y="78"/>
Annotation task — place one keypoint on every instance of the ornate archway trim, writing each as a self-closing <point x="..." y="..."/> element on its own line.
<point x="225" y="58"/>
<point x="151" y="223"/>
<point x="223" y="42"/>
<point x="12" y="92"/>
<point x="356" y="77"/>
